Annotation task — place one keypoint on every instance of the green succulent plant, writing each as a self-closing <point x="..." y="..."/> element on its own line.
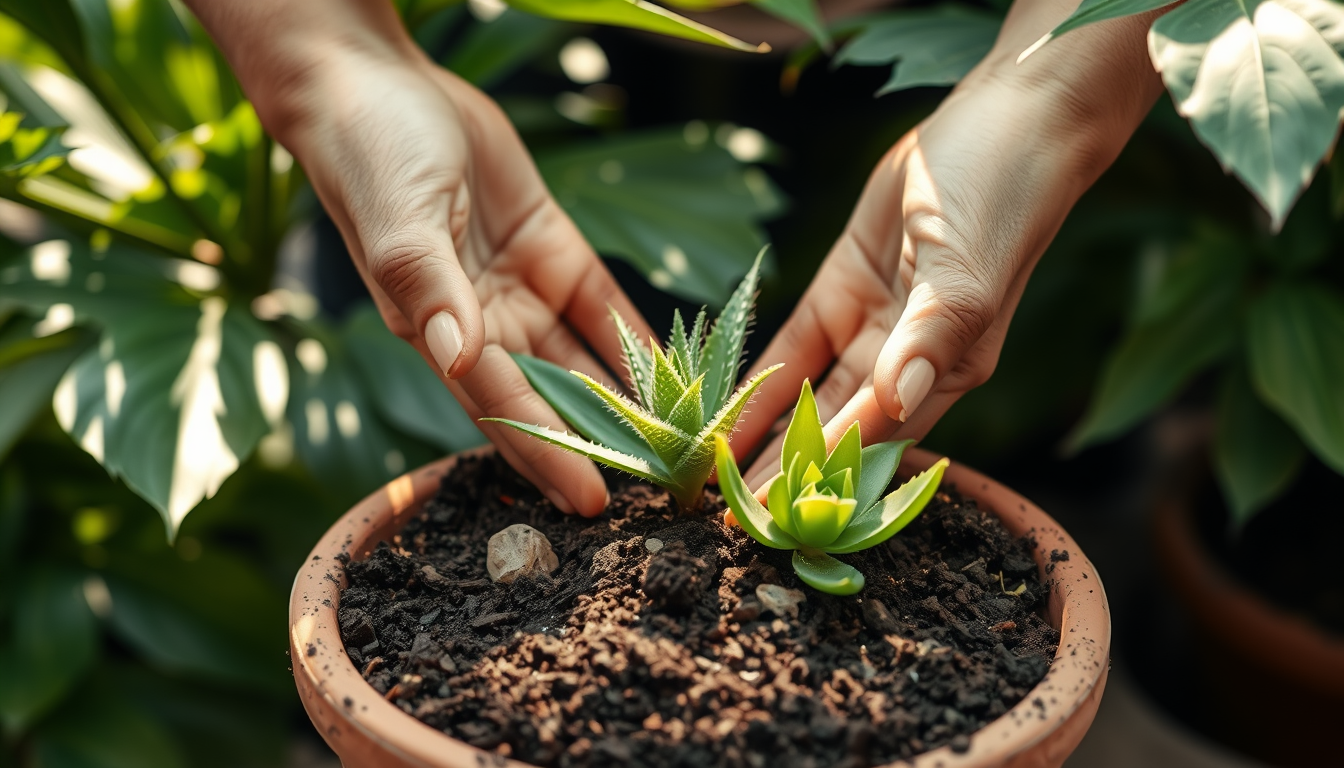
<point x="824" y="504"/>
<point x="684" y="398"/>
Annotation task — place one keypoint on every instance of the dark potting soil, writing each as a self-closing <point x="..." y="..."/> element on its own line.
<point x="627" y="656"/>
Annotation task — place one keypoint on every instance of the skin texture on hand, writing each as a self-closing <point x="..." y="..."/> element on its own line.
<point x="464" y="250"/>
<point x="910" y="308"/>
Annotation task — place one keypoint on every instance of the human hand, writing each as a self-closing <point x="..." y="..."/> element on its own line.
<point x="464" y="250"/>
<point x="910" y="308"/>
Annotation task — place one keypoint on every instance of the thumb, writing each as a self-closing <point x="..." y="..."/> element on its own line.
<point x="414" y="261"/>
<point x="948" y="310"/>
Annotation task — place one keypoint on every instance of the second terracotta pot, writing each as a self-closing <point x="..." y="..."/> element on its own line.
<point x="367" y="731"/>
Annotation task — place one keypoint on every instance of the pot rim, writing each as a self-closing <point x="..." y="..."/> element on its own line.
<point x="353" y="717"/>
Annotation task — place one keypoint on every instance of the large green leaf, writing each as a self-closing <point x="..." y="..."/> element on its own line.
<point x="1262" y="82"/>
<point x="584" y="410"/>
<point x="53" y="21"/>
<point x="635" y="14"/>
<point x="676" y="205"/>
<point x="53" y="640"/>
<point x="801" y="13"/>
<point x="1296" y="344"/>
<point x="337" y="431"/>
<point x="1188" y="321"/>
<point x="879" y="463"/>
<point x="1255" y="454"/>
<point x="1092" y="11"/>
<point x="491" y="51"/>
<point x="936" y="46"/>
<point x="28" y="375"/>
<point x="99" y="728"/>
<point x="403" y="389"/>
<point x="173" y="398"/>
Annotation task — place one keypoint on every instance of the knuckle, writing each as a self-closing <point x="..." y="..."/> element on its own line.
<point x="396" y="262"/>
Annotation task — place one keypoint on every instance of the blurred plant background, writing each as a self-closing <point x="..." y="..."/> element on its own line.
<point x="181" y="332"/>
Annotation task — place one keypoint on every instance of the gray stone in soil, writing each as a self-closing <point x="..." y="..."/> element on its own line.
<point x="781" y="601"/>
<point x="519" y="551"/>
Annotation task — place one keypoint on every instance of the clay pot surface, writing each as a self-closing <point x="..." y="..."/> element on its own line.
<point x="367" y="731"/>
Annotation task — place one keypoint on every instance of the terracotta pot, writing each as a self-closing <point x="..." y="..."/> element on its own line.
<point x="1271" y="684"/>
<point x="368" y="732"/>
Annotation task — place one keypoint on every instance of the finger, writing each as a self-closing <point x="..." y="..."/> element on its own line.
<point x="587" y="314"/>
<point x="411" y="255"/>
<point x="497" y="386"/>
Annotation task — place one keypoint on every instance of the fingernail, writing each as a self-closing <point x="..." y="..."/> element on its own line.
<point x="444" y="338"/>
<point x="913" y="384"/>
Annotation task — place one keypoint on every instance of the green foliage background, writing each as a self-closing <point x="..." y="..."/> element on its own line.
<point x="146" y="300"/>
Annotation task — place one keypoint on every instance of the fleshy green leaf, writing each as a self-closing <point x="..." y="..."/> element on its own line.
<point x="1255" y="454"/>
<point x="403" y="389"/>
<point x="584" y="410"/>
<point x="823" y="572"/>
<point x="721" y="355"/>
<point x="879" y="463"/>
<point x="681" y="346"/>
<point x="888" y="517"/>
<point x="848" y="454"/>
<point x="805" y="436"/>
<point x="53" y="641"/>
<point x="819" y="517"/>
<point x="675" y="204"/>
<point x="1262" y="83"/>
<point x="1296" y="344"/>
<point x="635" y="14"/>
<point x="781" y="503"/>
<point x="601" y="454"/>
<point x="668" y="442"/>
<point x="639" y="363"/>
<point x="697" y="462"/>
<point x="936" y="46"/>
<point x="754" y="519"/>
<point x="801" y="13"/>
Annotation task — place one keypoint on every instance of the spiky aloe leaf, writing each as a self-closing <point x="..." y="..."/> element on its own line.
<point x="754" y="518"/>
<point x="879" y="523"/>
<point x="823" y="572"/>
<point x="805" y="436"/>
<point x="695" y="340"/>
<point x="722" y="354"/>
<point x="601" y="454"/>
<point x="701" y="456"/>
<point x="584" y="410"/>
<point x="637" y="360"/>
<point x="668" y="442"/>
<point x="687" y="357"/>
<point x="848" y="454"/>
<point x="687" y="413"/>
<point x="878" y="467"/>
<point x="668" y="386"/>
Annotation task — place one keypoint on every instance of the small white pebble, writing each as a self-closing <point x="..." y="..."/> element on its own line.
<point x="653" y="545"/>
<point x="750" y="676"/>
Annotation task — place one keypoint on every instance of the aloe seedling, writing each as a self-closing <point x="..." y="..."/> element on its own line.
<point x="827" y="504"/>
<point x="684" y="399"/>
